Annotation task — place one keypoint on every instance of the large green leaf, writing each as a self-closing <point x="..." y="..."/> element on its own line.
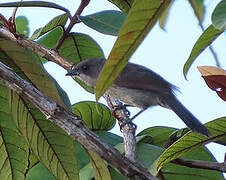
<point x="34" y="4"/>
<point x="51" y="39"/>
<point x="78" y="47"/>
<point x="106" y="22"/>
<point x="207" y="37"/>
<point x="158" y="135"/>
<point x="141" y="18"/>
<point x="22" y="25"/>
<point x="53" y="147"/>
<point x="124" y="5"/>
<point x="96" y="116"/>
<point x="100" y="167"/>
<point x="50" y="144"/>
<point x="57" y="21"/>
<point x="13" y="147"/>
<point x="29" y="67"/>
<point x="193" y="141"/>
<point x="86" y="167"/>
<point x="219" y="16"/>
<point x="39" y="172"/>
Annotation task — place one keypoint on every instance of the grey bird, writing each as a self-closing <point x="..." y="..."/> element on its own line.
<point x="139" y="86"/>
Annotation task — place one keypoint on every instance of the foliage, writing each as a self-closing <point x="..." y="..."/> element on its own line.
<point x="31" y="147"/>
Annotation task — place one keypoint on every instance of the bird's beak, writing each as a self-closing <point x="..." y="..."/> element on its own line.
<point x="72" y="72"/>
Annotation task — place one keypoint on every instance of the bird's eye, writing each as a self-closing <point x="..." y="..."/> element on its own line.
<point x="84" y="68"/>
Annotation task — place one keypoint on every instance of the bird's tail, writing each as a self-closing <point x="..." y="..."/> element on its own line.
<point x="189" y="119"/>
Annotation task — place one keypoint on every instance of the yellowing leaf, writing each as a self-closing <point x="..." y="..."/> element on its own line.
<point x="141" y="18"/>
<point x="211" y="70"/>
<point x="215" y="78"/>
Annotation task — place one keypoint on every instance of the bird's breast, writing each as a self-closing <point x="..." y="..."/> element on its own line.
<point x="134" y="97"/>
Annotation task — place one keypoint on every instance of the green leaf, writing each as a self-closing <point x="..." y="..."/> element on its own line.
<point x="13" y="147"/>
<point x="22" y="25"/>
<point x="39" y="172"/>
<point x="34" y="4"/>
<point x="100" y="168"/>
<point x="219" y="16"/>
<point x="78" y="47"/>
<point x="141" y="18"/>
<point x="28" y="66"/>
<point x="193" y="141"/>
<point x="96" y="117"/>
<point x="124" y="5"/>
<point x="198" y="8"/>
<point x="159" y="135"/>
<point x="57" y="21"/>
<point x="50" y="144"/>
<point x="147" y="154"/>
<point x="50" y="40"/>
<point x="207" y="37"/>
<point x="109" y="137"/>
<point x="86" y="172"/>
<point x="106" y="22"/>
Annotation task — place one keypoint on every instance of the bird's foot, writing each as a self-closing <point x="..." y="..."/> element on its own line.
<point x="128" y="122"/>
<point x="120" y="107"/>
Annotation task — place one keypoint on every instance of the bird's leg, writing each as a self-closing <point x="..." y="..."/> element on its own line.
<point x="142" y="110"/>
<point x="127" y="113"/>
<point x="122" y="107"/>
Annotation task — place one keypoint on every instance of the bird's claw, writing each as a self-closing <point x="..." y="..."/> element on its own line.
<point x="127" y="122"/>
<point x="122" y="107"/>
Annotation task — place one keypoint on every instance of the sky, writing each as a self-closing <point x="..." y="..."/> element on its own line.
<point x="165" y="52"/>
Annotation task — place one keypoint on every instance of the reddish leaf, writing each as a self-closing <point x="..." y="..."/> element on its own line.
<point x="215" y="78"/>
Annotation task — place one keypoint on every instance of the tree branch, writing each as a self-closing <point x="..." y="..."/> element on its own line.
<point x="201" y="164"/>
<point x="72" y="125"/>
<point x="43" y="51"/>
<point x="128" y="129"/>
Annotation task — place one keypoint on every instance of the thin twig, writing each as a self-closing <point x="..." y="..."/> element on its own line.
<point x="73" y="21"/>
<point x="14" y="13"/>
<point x="201" y="164"/>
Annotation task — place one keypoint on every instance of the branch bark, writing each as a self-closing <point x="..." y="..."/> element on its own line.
<point x="201" y="164"/>
<point x="128" y="129"/>
<point x="43" y="51"/>
<point x="72" y="125"/>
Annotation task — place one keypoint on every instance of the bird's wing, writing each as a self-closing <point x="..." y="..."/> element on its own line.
<point x="138" y="77"/>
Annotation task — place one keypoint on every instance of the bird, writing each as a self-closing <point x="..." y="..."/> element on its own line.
<point x="138" y="86"/>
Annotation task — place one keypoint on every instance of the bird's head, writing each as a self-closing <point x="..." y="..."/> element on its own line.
<point x="88" y="70"/>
